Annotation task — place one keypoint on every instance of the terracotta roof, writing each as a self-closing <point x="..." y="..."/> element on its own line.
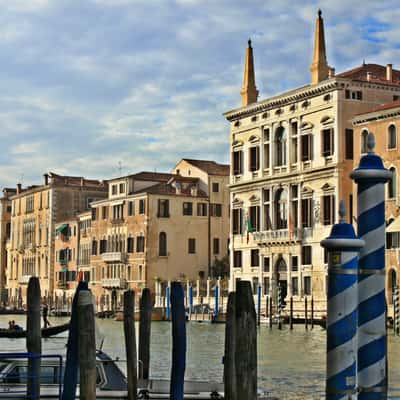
<point x="377" y="74"/>
<point x="152" y="176"/>
<point x="211" y="167"/>
<point x="75" y="180"/>
<point x="382" y="107"/>
<point x="167" y="189"/>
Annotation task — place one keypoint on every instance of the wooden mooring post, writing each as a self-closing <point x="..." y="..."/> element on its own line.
<point x="291" y="313"/>
<point x="270" y="313"/>
<point x="312" y="312"/>
<point x="305" y="313"/>
<point x="246" y="343"/>
<point x="230" y="348"/>
<point x="178" y="342"/>
<point x="87" y="346"/>
<point x="145" y="333"/>
<point x="33" y="338"/>
<point x="266" y="306"/>
<point x="130" y="343"/>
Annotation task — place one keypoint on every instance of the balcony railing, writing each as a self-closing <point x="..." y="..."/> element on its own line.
<point x="282" y="235"/>
<point x="24" y="279"/>
<point x="117" y="283"/>
<point x="113" y="257"/>
<point x="117" y="221"/>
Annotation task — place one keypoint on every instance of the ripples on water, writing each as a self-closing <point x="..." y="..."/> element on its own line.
<point x="291" y="364"/>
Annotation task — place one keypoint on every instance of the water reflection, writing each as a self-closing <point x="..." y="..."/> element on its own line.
<point x="291" y="364"/>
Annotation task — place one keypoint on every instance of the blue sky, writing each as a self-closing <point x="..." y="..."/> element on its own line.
<point x="88" y="84"/>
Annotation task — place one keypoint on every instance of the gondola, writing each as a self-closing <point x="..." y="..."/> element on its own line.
<point x="46" y="332"/>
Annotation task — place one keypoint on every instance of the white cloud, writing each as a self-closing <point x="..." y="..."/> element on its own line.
<point x="85" y="85"/>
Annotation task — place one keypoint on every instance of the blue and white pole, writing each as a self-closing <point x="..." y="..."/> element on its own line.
<point x="370" y="178"/>
<point x="190" y="299"/>
<point x="167" y="300"/>
<point x="216" y="308"/>
<point x="343" y="247"/>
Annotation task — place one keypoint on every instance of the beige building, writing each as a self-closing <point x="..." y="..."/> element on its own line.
<point x="384" y="122"/>
<point x="5" y="234"/>
<point x="36" y="210"/>
<point x="159" y="227"/>
<point x="291" y="155"/>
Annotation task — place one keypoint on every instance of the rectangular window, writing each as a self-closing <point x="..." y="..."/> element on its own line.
<point x="255" y="285"/>
<point x="254" y="158"/>
<point x="131" y="208"/>
<point x="192" y="246"/>
<point x="266" y="155"/>
<point x="266" y="264"/>
<point x="104" y="212"/>
<point x="306" y="147"/>
<point x="295" y="263"/>
<point x="202" y="209"/>
<point x="215" y="210"/>
<point x="306" y="255"/>
<point x="295" y="286"/>
<point x="114" y="189"/>
<point x="237" y="221"/>
<point x="142" y="206"/>
<point x="237" y="162"/>
<point x="237" y="259"/>
<point x="94" y="216"/>
<point x="307" y="285"/>
<point x="140" y="244"/>
<point x="349" y="144"/>
<point x="327" y="142"/>
<point x="328" y="209"/>
<point x="266" y="286"/>
<point x="306" y="213"/>
<point x="94" y="248"/>
<point x="215" y="187"/>
<point x="122" y="188"/>
<point x="347" y="94"/>
<point x="163" y="208"/>
<point x="129" y="245"/>
<point x="187" y="208"/>
<point x="255" y="258"/>
<point x="216" y="246"/>
<point x="103" y="246"/>
<point x="254" y="215"/>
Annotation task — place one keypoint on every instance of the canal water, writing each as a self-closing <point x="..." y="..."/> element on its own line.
<point x="291" y="364"/>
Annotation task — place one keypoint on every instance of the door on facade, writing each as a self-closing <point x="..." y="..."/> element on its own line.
<point x="281" y="274"/>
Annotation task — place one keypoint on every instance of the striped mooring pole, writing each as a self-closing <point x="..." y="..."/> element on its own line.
<point x="343" y="247"/>
<point x="167" y="300"/>
<point x="370" y="178"/>
<point x="216" y="294"/>
<point x="396" y="311"/>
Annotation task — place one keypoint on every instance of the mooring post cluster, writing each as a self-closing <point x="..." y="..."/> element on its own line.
<point x="356" y="337"/>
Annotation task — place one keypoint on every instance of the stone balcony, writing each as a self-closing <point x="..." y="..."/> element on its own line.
<point x="114" y="257"/>
<point x="281" y="235"/>
<point x="24" y="279"/>
<point x="114" y="283"/>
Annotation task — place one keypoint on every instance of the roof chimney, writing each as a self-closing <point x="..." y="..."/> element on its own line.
<point x="369" y="76"/>
<point x="331" y="72"/>
<point x="46" y="179"/>
<point x="389" y="72"/>
<point x="19" y="188"/>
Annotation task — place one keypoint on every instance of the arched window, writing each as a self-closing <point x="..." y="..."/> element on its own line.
<point x="392" y="139"/>
<point x="280" y="144"/>
<point x="162" y="244"/>
<point x="392" y="189"/>
<point x="281" y="212"/>
<point x="364" y="135"/>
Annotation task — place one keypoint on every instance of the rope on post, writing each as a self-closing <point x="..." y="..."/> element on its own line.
<point x="370" y="178"/>
<point x="343" y="247"/>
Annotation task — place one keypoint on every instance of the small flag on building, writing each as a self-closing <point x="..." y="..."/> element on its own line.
<point x="249" y="228"/>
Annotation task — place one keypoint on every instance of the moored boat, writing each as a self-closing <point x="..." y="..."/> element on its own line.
<point x="46" y="332"/>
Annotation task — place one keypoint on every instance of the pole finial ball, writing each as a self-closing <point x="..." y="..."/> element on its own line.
<point x="342" y="211"/>
<point x="319" y="13"/>
<point x="370" y="142"/>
